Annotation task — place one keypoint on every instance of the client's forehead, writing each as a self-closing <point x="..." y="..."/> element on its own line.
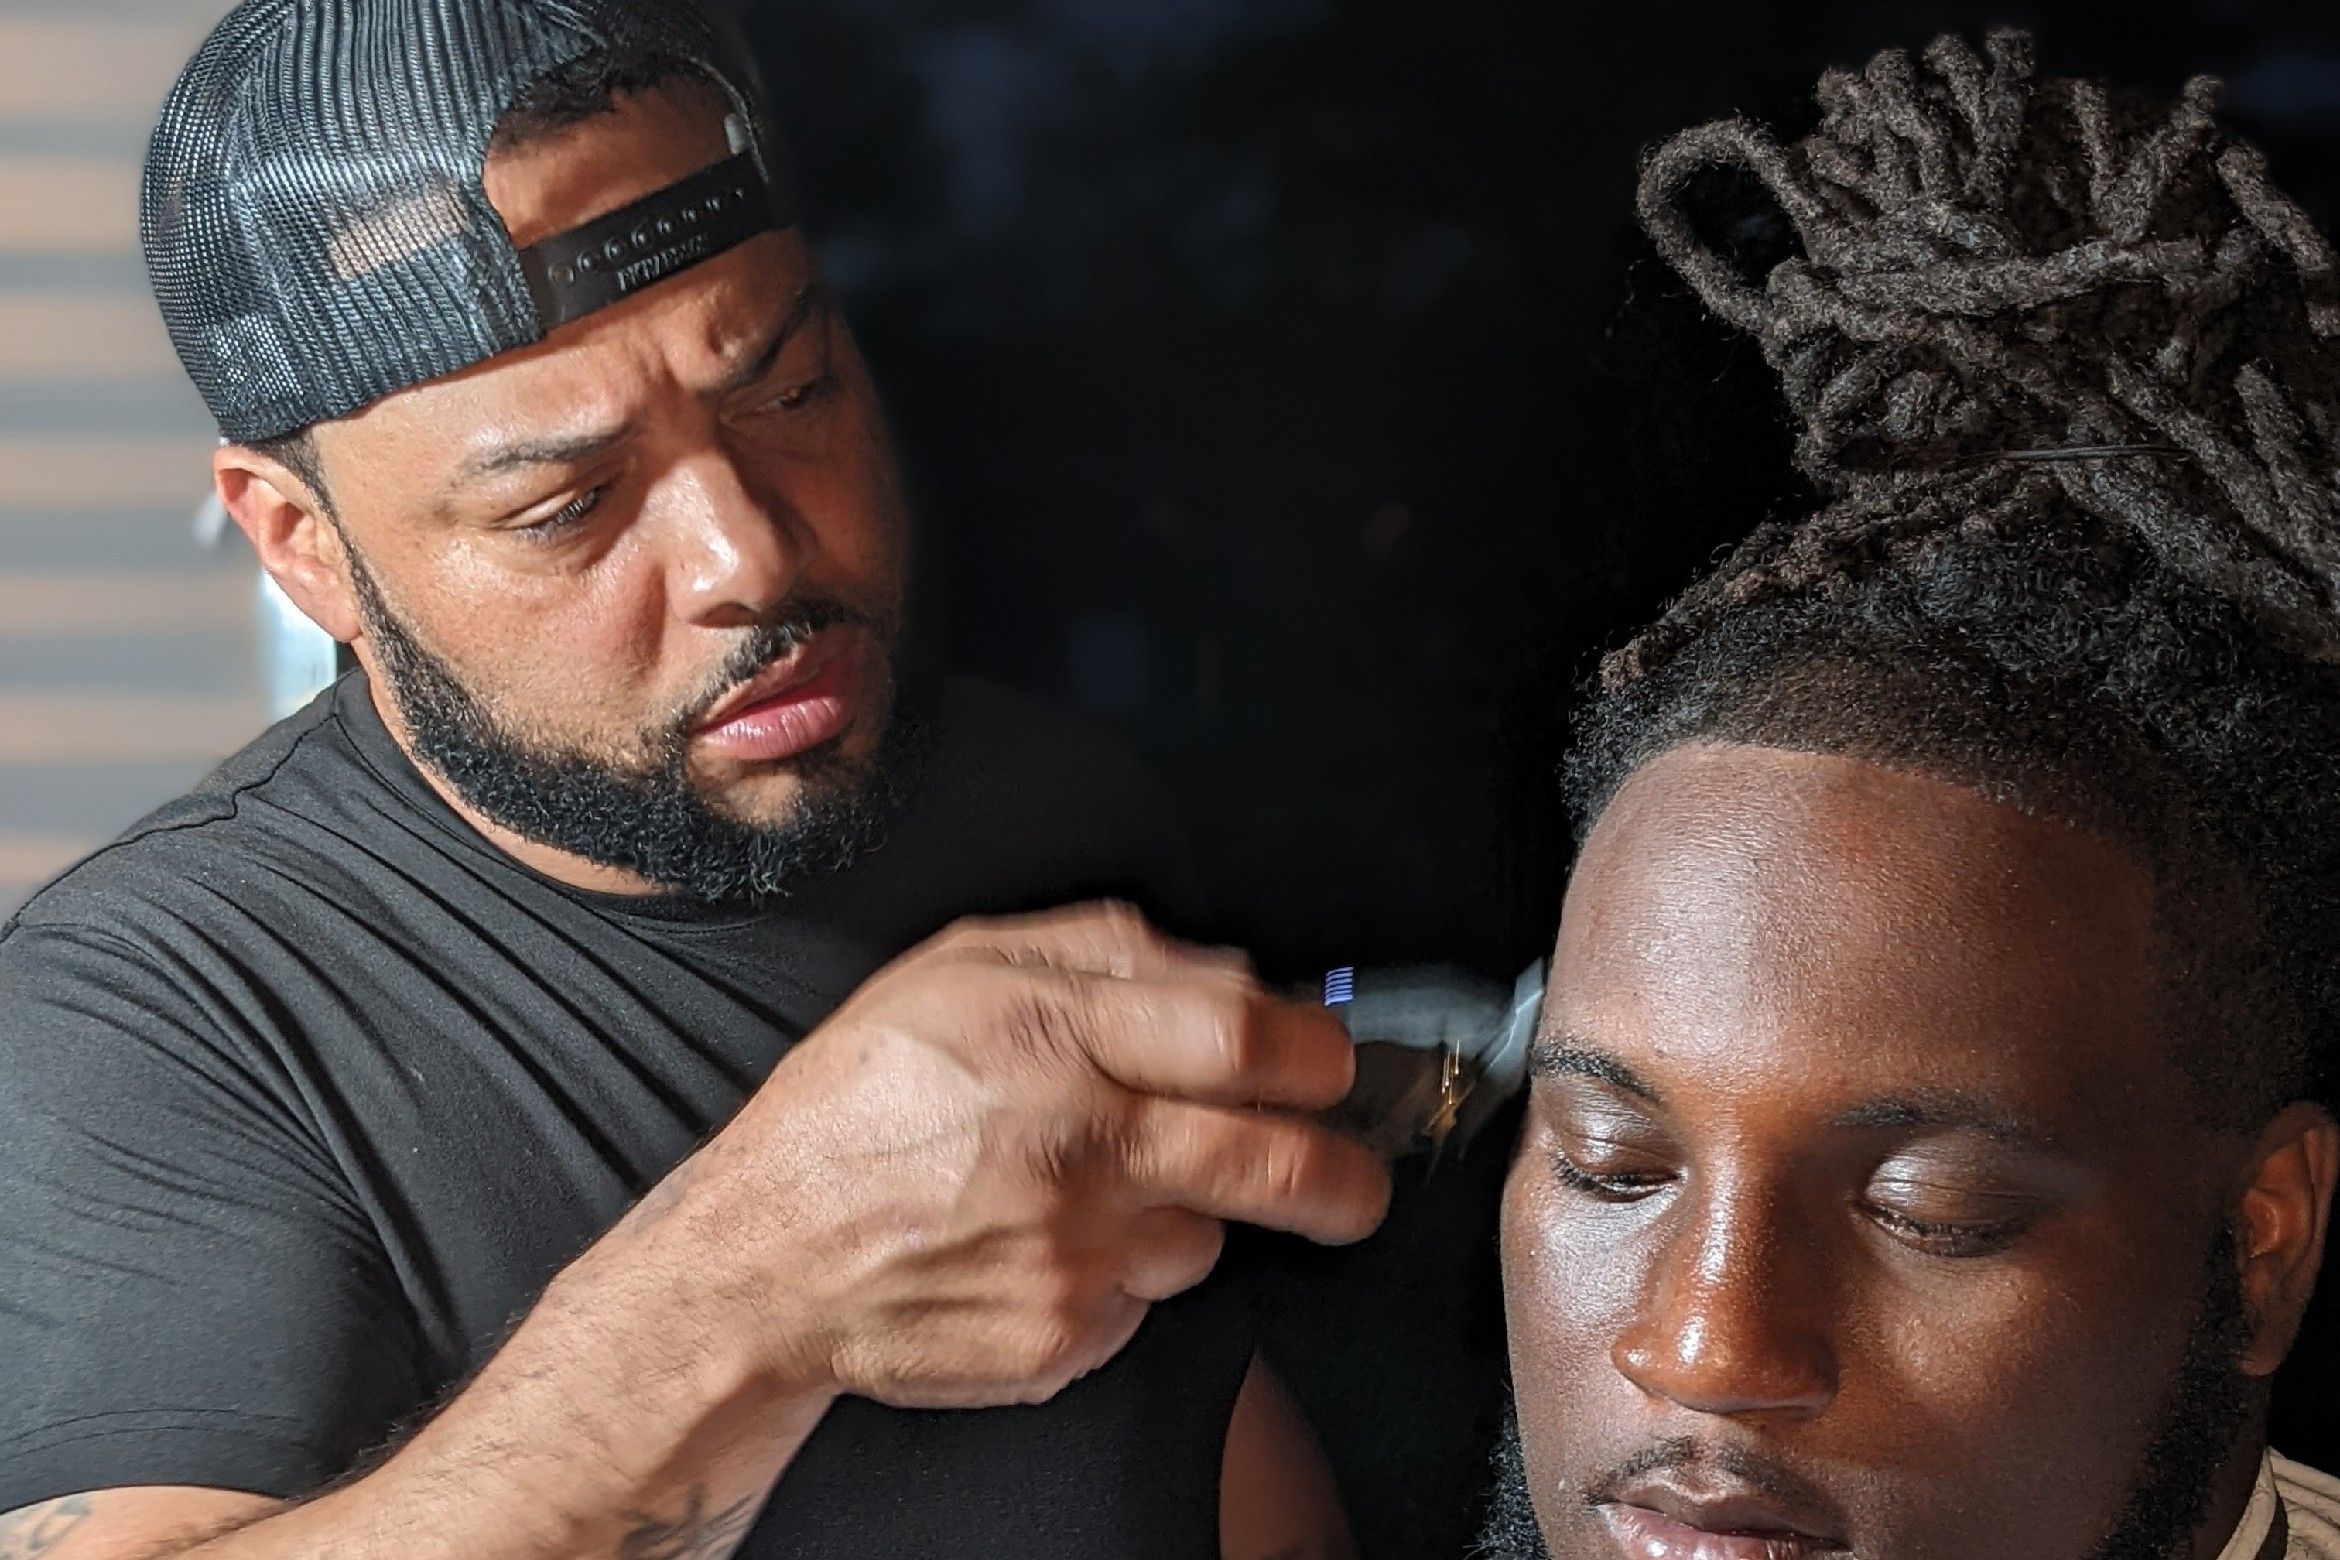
<point x="1745" y="914"/>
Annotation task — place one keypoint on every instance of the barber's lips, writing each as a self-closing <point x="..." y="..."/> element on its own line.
<point x="795" y="705"/>
<point x="1662" y="1522"/>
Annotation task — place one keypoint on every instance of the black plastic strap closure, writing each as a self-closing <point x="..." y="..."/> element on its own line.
<point x="710" y="213"/>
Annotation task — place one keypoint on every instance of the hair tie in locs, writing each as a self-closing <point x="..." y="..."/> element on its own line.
<point x="2079" y="452"/>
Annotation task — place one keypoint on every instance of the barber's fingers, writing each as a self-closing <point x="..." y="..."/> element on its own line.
<point x="1168" y="1251"/>
<point x="1254" y="1167"/>
<point x="1109" y="938"/>
<point x="1216" y="1038"/>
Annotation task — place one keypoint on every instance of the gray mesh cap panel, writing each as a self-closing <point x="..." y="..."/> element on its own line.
<point x="313" y="217"/>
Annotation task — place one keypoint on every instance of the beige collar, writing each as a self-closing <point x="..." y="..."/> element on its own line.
<point x="2259" y="1519"/>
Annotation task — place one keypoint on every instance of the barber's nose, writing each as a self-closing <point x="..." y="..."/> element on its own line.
<point x="1732" y="1320"/>
<point x="740" y="551"/>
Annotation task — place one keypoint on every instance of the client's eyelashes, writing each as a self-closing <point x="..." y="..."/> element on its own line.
<point x="1978" y="1239"/>
<point x="1622" y="1187"/>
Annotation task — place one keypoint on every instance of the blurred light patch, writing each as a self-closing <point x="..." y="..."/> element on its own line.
<point x="128" y="661"/>
<point x="51" y="605"/>
<point x="83" y="338"/>
<point x="68" y="206"/>
<point x="120" y="728"/>
<point x="2297" y="89"/>
<point x="58" y="71"/>
<point x="33" y="858"/>
<point x="99" y="472"/>
<point x="1109" y="660"/>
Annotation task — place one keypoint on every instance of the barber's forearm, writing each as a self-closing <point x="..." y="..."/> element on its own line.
<point x="610" y="1425"/>
<point x="932" y="1203"/>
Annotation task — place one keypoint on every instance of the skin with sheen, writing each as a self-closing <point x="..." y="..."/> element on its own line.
<point x="671" y="538"/>
<point x="1862" y="1207"/>
<point x="586" y="533"/>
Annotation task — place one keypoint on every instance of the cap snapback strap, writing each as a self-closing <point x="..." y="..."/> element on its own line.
<point x="710" y="213"/>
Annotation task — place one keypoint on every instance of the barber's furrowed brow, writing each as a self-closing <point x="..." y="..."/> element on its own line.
<point x="560" y="450"/>
<point x="1558" y="1057"/>
<point x="807" y="303"/>
<point x="1945" y="1111"/>
<point x="574" y="449"/>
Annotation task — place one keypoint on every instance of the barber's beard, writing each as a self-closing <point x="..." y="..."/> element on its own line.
<point x="2202" y="1415"/>
<point x="647" y="817"/>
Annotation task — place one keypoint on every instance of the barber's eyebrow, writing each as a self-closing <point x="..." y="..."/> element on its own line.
<point x="1944" y="1110"/>
<point x="558" y="450"/>
<point x="1560" y="1057"/>
<point x="808" y="301"/>
<point x="576" y="448"/>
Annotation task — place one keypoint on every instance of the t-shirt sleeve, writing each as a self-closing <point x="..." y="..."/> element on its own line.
<point x="189" y="1294"/>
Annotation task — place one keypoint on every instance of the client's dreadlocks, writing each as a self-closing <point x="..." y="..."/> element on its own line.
<point x="2068" y="376"/>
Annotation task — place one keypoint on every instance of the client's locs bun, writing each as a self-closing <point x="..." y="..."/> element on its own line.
<point x="2000" y="275"/>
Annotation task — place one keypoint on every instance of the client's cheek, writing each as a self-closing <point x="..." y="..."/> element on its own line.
<point x="1560" y="1311"/>
<point x="2001" y="1413"/>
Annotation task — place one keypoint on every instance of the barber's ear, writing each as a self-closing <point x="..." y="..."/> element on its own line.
<point x="288" y="528"/>
<point x="2285" y="1213"/>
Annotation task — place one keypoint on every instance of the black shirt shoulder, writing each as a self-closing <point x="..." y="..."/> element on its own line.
<point x="306" y="1091"/>
<point x="192" y="839"/>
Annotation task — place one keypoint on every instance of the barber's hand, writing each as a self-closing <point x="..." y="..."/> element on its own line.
<point x="968" y="1186"/>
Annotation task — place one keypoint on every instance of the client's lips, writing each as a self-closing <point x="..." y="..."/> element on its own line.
<point x="796" y="704"/>
<point x="1659" y="1521"/>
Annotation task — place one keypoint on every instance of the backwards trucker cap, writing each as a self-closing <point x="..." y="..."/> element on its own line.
<point x="314" y="220"/>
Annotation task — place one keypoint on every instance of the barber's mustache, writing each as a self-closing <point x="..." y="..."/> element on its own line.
<point x="780" y="635"/>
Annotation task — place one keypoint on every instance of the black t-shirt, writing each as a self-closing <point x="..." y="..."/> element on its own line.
<point x="306" y="1091"/>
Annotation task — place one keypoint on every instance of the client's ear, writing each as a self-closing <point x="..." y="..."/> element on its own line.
<point x="2280" y="1226"/>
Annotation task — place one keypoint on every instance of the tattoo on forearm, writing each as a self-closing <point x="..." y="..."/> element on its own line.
<point x="698" y="1534"/>
<point x="38" y="1530"/>
<point x="661" y="1199"/>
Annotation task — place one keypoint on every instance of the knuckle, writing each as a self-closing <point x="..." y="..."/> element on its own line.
<point x="1039" y="1017"/>
<point x="1050" y="1345"/>
<point x="1124" y="923"/>
<point x="1059" y="1151"/>
<point x="966" y="933"/>
<point x="1128" y="938"/>
<point x="1289" y="1167"/>
<point x="1036" y="1351"/>
<point x="1232" y="1033"/>
<point x="1211" y="1244"/>
<point x="1071" y="1299"/>
<point x="1115" y="1134"/>
<point x="1202" y="1250"/>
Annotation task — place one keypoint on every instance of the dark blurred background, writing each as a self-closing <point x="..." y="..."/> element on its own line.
<point x="1288" y="388"/>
